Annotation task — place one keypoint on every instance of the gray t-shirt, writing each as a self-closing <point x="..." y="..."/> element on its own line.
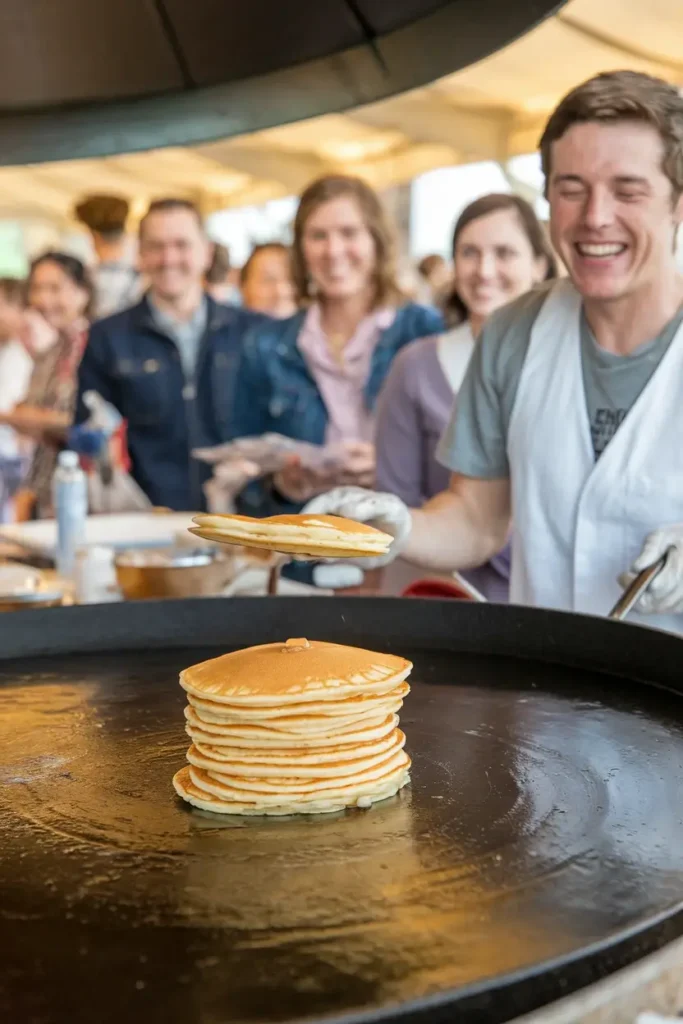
<point x="475" y="440"/>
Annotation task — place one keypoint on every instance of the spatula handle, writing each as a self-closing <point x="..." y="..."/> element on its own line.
<point x="638" y="587"/>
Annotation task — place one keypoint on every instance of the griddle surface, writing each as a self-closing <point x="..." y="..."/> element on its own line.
<point x="544" y="818"/>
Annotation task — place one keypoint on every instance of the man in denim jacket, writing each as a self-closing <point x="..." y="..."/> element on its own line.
<point x="169" y="363"/>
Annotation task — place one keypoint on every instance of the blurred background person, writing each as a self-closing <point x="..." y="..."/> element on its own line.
<point x="168" y="364"/>
<point x="315" y="377"/>
<point x="500" y="251"/>
<point x="267" y="282"/>
<point x="16" y="366"/>
<point x="60" y="299"/>
<point x="219" y="281"/>
<point x="435" y="276"/>
<point x="115" y="279"/>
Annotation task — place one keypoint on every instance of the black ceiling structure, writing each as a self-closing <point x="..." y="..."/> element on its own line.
<point x="81" y="78"/>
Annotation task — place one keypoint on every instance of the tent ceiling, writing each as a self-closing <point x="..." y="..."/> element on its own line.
<point x="82" y="79"/>
<point x="492" y="110"/>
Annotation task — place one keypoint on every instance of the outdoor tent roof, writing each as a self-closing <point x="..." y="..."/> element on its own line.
<point x="494" y="109"/>
<point x="83" y="79"/>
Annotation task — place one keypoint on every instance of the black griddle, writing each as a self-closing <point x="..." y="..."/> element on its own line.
<point x="538" y="849"/>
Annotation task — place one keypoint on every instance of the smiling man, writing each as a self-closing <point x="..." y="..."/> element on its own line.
<point x="168" y="364"/>
<point x="570" y="421"/>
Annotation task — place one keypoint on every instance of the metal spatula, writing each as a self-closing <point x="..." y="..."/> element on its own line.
<point x="639" y="585"/>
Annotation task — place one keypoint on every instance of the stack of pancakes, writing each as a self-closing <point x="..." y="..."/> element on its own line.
<point x="295" y="727"/>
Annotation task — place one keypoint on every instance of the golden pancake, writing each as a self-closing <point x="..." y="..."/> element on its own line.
<point x="264" y="793"/>
<point x="186" y="789"/>
<point x="315" y="536"/>
<point x="301" y="552"/>
<point x="293" y="785"/>
<point x="327" y="767"/>
<point x="293" y="726"/>
<point x="253" y="737"/>
<point x="296" y="672"/>
<point x="297" y="754"/>
<point x="221" y="713"/>
<point x="290" y="727"/>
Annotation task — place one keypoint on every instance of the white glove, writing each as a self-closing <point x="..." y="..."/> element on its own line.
<point x="338" y="576"/>
<point x="385" y="512"/>
<point x="665" y="593"/>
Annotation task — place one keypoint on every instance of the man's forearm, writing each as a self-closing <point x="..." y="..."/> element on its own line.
<point x="451" y="533"/>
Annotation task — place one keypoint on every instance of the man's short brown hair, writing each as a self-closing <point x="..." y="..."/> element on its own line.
<point x="104" y="215"/>
<point x="623" y="96"/>
<point x="169" y="204"/>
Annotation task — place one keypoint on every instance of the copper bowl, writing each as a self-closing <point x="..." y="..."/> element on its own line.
<point x="154" y="573"/>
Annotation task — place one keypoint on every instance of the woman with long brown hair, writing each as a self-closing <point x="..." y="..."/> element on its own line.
<point x="315" y="376"/>
<point x="500" y="251"/>
<point x="60" y="300"/>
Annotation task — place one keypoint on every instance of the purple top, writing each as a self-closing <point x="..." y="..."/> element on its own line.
<point x="414" y="407"/>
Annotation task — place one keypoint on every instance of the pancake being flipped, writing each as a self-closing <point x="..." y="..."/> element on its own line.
<point x="307" y="535"/>
<point x="296" y="727"/>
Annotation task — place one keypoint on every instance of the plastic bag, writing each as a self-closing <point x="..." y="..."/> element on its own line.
<point x="119" y="493"/>
<point x="101" y="441"/>
<point x="271" y="453"/>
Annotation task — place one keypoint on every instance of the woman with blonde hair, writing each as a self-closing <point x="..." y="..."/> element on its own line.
<point x="315" y="376"/>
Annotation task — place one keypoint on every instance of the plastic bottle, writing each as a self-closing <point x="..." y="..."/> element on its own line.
<point x="70" y="500"/>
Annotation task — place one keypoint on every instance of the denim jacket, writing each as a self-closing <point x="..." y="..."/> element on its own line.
<point x="276" y="391"/>
<point x="136" y="367"/>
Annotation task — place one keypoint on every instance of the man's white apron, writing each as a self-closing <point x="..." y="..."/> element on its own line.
<point x="579" y="523"/>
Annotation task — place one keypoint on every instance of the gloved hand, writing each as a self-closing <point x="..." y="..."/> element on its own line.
<point x="665" y="593"/>
<point x="385" y="512"/>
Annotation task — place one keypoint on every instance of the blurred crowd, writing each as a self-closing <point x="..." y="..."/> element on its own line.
<point x="320" y="342"/>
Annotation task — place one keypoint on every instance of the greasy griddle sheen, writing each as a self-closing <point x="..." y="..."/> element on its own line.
<point x="538" y="849"/>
